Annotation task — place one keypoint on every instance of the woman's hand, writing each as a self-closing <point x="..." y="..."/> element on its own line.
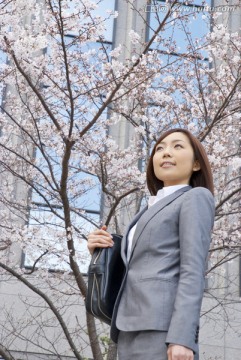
<point x="179" y="352"/>
<point x="99" y="238"/>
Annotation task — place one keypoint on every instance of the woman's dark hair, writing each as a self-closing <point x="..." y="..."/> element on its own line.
<point x="202" y="177"/>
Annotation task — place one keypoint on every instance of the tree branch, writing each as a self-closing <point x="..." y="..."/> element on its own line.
<point x="5" y="353"/>
<point x="50" y="304"/>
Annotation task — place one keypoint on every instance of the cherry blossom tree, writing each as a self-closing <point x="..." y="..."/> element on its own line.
<point x="63" y="88"/>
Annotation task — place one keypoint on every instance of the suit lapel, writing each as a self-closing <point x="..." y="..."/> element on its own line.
<point x="124" y="241"/>
<point x="146" y="216"/>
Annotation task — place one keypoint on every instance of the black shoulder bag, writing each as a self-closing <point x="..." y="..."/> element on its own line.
<point x="105" y="274"/>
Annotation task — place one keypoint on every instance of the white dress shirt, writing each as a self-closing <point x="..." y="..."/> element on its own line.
<point x="165" y="191"/>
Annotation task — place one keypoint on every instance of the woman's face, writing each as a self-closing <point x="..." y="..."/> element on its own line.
<point x="174" y="161"/>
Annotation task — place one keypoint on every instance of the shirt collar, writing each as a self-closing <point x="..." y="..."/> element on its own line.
<point x="165" y="191"/>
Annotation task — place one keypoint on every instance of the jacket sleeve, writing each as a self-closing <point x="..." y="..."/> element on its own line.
<point x="195" y="224"/>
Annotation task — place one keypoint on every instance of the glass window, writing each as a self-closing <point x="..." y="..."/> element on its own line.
<point x="104" y="8"/>
<point x="51" y="250"/>
<point x="46" y="218"/>
<point x="179" y="47"/>
<point x="187" y="23"/>
<point x="85" y="205"/>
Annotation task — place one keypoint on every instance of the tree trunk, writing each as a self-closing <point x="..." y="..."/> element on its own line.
<point x="112" y="351"/>
<point x="94" y="341"/>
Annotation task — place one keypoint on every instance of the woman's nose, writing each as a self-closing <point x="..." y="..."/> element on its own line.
<point x="167" y="152"/>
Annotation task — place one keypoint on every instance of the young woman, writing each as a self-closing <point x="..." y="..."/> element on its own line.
<point x="156" y="315"/>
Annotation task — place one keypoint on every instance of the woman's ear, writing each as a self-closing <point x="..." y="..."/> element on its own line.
<point x="196" y="166"/>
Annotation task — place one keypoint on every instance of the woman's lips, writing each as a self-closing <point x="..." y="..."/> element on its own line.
<point x="167" y="164"/>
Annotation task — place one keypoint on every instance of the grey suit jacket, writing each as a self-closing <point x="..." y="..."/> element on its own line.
<point x="164" y="281"/>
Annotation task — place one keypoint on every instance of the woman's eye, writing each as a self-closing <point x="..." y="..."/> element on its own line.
<point x="159" y="148"/>
<point x="178" y="146"/>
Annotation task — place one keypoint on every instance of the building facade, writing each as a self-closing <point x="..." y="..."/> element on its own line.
<point x="220" y="321"/>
